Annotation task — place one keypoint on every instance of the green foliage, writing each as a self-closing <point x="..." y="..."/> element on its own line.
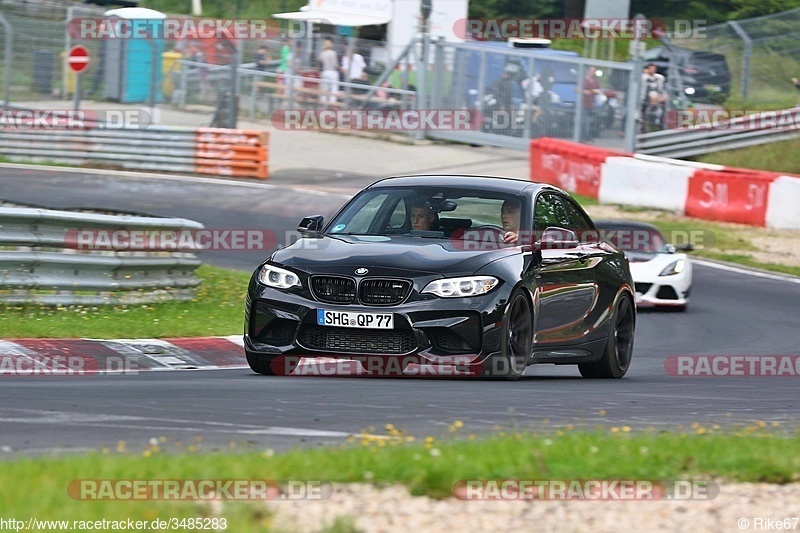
<point x="757" y="8"/>
<point x="515" y="8"/>
<point x="227" y="8"/>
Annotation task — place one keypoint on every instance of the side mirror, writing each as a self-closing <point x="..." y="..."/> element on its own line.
<point x="554" y="238"/>
<point x="685" y="247"/>
<point x="311" y="226"/>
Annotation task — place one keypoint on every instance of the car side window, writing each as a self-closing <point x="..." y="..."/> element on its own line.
<point x="549" y="212"/>
<point x="579" y="223"/>
<point x="398" y="219"/>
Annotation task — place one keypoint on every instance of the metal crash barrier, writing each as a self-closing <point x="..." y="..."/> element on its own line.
<point x="214" y="151"/>
<point x="64" y="258"/>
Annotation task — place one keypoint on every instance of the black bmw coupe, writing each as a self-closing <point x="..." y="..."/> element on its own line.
<point x="484" y="274"/>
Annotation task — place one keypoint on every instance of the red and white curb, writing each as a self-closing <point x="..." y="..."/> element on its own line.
<point x="119" y="356"/>
<point x="75" y="357"/>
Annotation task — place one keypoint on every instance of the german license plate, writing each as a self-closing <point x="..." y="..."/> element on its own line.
<point x="349" y="319"/>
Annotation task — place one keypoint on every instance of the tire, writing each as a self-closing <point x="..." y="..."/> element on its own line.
<point x="271" y="365"/>
<point x="616" y="357"/>
<point x="515" y="343"/>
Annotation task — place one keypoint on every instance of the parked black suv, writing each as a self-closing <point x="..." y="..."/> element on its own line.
<point x="705" y="75"/>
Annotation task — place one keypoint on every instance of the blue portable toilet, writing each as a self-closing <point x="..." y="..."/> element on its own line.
<point x="128" y="61"/>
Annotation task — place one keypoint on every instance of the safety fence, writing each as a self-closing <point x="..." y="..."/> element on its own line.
<point x="214" y="151"/>
<point x="53" y="257"/>
<point x="709" y="192"/>
<point x="751" y="130"/>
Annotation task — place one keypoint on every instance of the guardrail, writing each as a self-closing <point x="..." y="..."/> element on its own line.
<point x="43" y="261"/>
<point x="214" y="151"/>
<point x="740" y="132"/>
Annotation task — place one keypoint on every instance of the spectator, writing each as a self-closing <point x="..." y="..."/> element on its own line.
<point x="653" y="89"/>
<point x="262" y="58"/>
<point x="591" y="88"/>
<point x="328" y="62"/>
<point x="286" y="56"/>
<point x="504" y="91"/>
<point x="796" y="83"/>
<point x="354" y="72"/>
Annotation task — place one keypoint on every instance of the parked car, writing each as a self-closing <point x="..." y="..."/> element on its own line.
<point x="367" y="283"/>
<point x="705" y="75"/>
<point x="662" y="274"/>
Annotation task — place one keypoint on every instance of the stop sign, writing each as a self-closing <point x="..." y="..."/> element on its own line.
<point x="78" y="58"/>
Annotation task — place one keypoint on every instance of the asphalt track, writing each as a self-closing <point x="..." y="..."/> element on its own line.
<point x="732" y="313"/>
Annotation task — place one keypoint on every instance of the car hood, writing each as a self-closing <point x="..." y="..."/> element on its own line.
<point x="400" y="255"/>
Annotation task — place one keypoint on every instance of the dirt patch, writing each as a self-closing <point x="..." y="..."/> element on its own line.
<point x="393" y="509"/>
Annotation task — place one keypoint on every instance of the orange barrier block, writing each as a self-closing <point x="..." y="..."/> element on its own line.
<point x="231" y="152"/>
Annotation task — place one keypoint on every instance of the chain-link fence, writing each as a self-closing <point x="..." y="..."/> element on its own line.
<point x="38" y="44"/>
<point x="526" y="94"/>
<point x="760" y="56"/>
<point x="513" y="95"/>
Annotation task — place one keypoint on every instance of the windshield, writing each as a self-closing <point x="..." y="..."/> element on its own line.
<point x="634" y="239"/>
<point x="421" y="212"/>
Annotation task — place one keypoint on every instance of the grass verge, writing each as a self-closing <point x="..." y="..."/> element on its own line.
<point x="775" y="157"/>
<point x="431" y="467"/>
<point x="217" y="309"/>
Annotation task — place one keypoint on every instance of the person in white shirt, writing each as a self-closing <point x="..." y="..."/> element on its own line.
<point x="354" y="72"/>
<point x="330" y="74"/>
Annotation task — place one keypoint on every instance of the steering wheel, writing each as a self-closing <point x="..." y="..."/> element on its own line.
<point x="489" y="226"/>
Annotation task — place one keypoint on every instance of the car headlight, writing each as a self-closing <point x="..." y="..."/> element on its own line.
<point x="674" y="268"/>
<point x="461" y="287"/>
<point x="277" y="277"/>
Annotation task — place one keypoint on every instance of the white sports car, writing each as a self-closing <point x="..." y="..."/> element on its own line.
<point x="662" y="275"/>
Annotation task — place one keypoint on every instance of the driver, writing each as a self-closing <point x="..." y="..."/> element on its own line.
<point x="510" y="215"/>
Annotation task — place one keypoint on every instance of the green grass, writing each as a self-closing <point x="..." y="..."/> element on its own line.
<point x="38" y="486"/>
<point x="585" y="200"/>
<point x="747" y="260"/>
<point x="705" y="236"/>
<point x="776" y="157"/>
<point x="218" y="309"/>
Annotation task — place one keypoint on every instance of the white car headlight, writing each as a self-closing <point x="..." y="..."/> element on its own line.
<point x="277" y="277"/>
<point x="674" y="268"/>
<point x="461" y="287"/>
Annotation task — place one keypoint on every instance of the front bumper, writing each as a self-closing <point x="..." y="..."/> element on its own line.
<point x="661" y="294"/>
<point x="434" y="330"/>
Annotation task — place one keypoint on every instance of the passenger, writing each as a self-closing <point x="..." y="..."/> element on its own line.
<point x="510" y="216"/>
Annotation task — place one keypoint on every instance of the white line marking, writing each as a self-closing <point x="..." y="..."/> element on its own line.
<point x="747" y="272"/>
<point x="294" y="432"/>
